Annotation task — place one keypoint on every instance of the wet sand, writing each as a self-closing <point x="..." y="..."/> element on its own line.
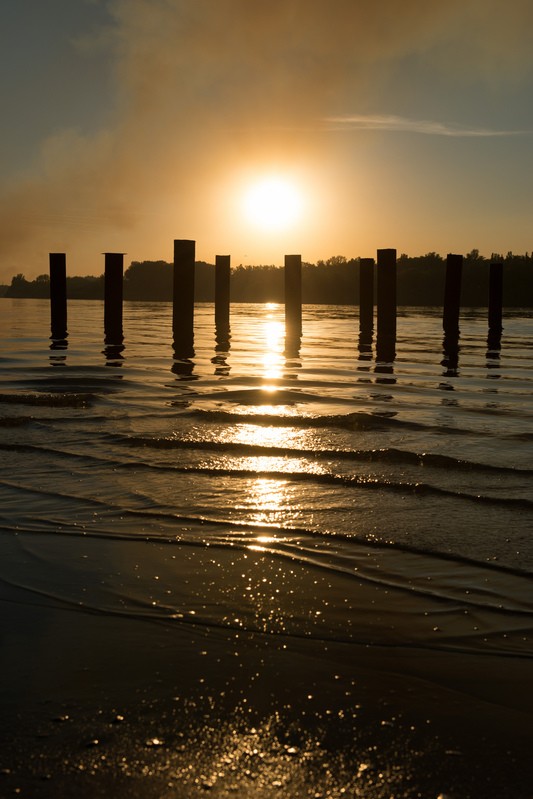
<point x="96" y="705"/>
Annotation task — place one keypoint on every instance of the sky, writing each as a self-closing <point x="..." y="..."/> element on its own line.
<point x="127" y="124"/>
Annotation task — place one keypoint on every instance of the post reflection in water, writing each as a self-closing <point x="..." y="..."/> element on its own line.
<point x="222" y="348"/>
<point x="57" y="355"/>
<point x="385" y="355"/>
<point x="366" y="338"/>
<point x="292" y="353"/>
<point x="183" y="368"/>
<point x="59" y="344"/>
<point x="494" y="346"/>
<point x="451" y="349"/>
<point x="365" y="349"/>
<point x="58" y="360"/>
<point x="365" y="353"/>
<point x="113" y="350"/>
<point x="183" y="353"/>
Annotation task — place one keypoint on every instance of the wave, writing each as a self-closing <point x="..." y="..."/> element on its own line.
<point x="238" y="471"/>
<point x="347" y="421"/>
<point x="241" y="534"/>
<point x="59" y="400"/>
<point x="17" y="421"/>
<point x="389" y="455"/>
<point x="397" y="597"/>
<point x="356" y="421"/>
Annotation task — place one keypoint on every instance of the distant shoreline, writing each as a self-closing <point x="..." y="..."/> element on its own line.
<point x="420" y="282"/>
<point x="516" y="309"/>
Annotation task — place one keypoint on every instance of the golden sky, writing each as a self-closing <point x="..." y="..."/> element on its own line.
<point x="129" y="123"/>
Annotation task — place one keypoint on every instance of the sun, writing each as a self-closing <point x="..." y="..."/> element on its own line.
<point x="273" y="203"/>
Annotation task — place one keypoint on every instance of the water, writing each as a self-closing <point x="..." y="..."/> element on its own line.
<point x="371" y="520"/>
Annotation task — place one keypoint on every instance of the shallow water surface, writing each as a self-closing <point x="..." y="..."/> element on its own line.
<point x="293" y="502"/>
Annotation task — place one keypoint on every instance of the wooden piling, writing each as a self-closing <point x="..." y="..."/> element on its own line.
<point x="494" y="338"/>
<point x="386" y="292"/>
<point x="183" y="297"/>
<point x="452" y="294"/>
<point x="366" y="301"/>
<point x="386" y="305"/>
<point x="293" y="296"/>
<point x="495" y="297"/>
<point x="113" y="295"/>
<point x="222" y="315"/>
<point x="222" y="291"/>
<point x="58" y="296"/>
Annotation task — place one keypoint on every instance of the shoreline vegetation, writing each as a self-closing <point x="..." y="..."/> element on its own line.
<point x="335" y="281"/>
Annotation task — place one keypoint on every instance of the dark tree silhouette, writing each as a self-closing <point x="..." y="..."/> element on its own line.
<point x="334" y="281"/>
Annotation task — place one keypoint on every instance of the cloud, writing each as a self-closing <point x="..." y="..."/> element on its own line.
<point x="405" y="125"/>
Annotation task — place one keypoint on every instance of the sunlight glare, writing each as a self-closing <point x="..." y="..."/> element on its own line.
<point x="273" y="203"/>
<point x="267" y="501"/>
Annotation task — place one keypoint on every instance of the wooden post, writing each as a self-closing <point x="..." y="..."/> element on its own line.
<point x="222" y="291"/>
<point x="494" y="338"/>
<point x="386" y="293"/>
<point x="386" y="302"/>
<point x="452" y="294"/>
<point x="495" y="298"/>
<point x="113" y="293"/>
<point x="366" y="303"/>
<point x="293" y="296"/>
<point x="183" y="297"/>
<point x="58" y="296"/>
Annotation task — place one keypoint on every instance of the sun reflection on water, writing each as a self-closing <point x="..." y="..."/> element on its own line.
<point x="263" y="464"/>
<point x="270" y="499"/>
<point x="262" y="542"/>
<point x="258" y="435"/>
<point x="267" y="501"/>
<point x="273" y="342"/>
<point x="273" y="409"/>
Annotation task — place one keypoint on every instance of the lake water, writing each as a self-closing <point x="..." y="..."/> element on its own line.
<point x="308" y="536"/>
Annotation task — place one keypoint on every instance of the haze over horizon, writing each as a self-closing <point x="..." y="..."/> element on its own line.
<point x="128" y="123"/>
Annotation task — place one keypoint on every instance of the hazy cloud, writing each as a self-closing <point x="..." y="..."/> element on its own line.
<point x="406" y="125"/>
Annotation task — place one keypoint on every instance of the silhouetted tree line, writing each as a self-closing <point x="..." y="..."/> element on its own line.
<point x="334" y="281"/>
<point x="78" y="288"/>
